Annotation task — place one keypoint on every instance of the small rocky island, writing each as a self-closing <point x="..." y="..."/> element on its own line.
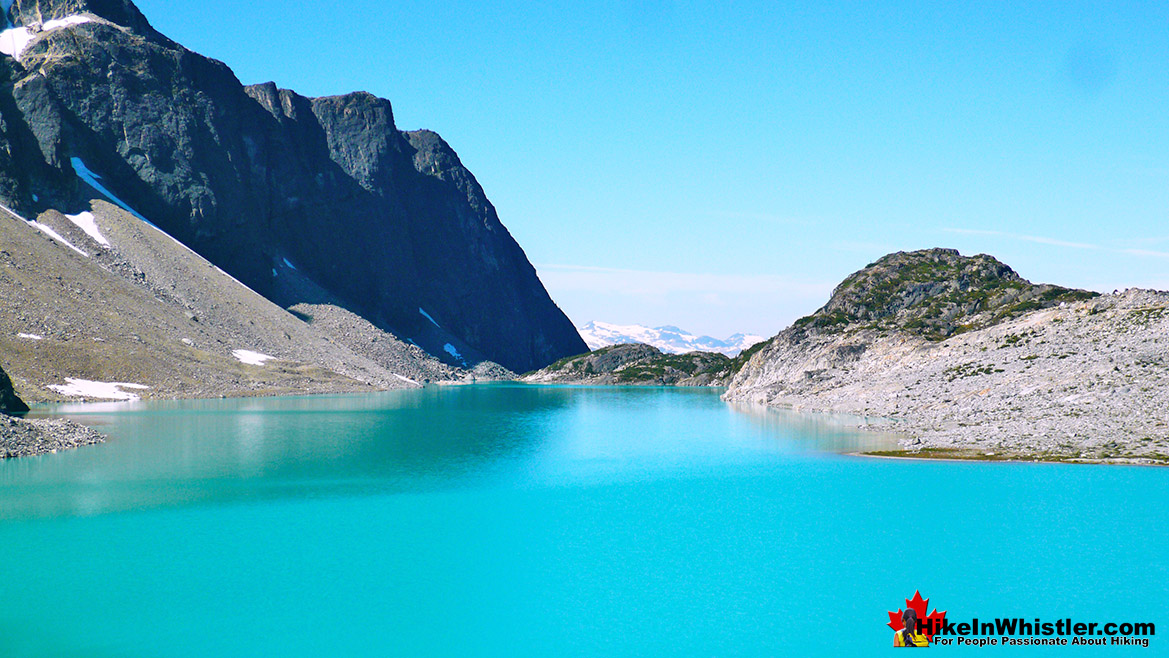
<point x="971" y="360"/>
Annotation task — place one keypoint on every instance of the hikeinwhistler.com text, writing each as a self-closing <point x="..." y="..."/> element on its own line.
<point x="1022" y="632"/>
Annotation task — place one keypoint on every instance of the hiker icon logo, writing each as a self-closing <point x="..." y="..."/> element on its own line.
<point x="912" y="626"/>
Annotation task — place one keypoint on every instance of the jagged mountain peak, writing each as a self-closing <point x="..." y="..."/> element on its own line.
<point x="30" y="13"/>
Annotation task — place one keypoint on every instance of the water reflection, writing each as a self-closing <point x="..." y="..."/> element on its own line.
<point x="182" y="452"/>
<point x="212" y="451"/>
<point x="827" y="432"/>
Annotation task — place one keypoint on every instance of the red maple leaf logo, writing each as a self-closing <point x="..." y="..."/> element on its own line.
<point x="919" y="606"/>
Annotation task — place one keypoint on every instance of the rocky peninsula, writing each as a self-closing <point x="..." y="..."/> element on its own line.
<point x="967" y="359"/>
<point x="24" y="438"/>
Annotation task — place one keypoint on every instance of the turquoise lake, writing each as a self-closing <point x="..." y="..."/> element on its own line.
<point x="510" y="520"/>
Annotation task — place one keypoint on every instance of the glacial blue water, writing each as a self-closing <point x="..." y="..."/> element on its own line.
<point x="508" y="520"/>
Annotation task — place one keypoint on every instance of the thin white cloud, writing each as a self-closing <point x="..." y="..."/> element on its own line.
<point x="1144" y="252"/>
<point x="1143" y="241"/>
<point x="1060" y="243"/>
<point x="1026" y="238"/>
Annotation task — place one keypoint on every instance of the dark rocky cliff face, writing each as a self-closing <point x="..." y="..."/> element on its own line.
<point x="9" y="402"/>
<point x="259" y="179"/>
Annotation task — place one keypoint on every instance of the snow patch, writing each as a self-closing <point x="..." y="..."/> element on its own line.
<point x="87" y="175"/>
<point x="44" y="229"/>
<point x="88" y="223"/>
<point x="82" y="388"/>
<point x="666" y="338"/>
<point x="30" y="336"/>
<point x="56" y="236"/>
<point x="35" y="198"/>
<point x="251" y="358"/>
<point x="450" y="349"/>
<point x="427" y="316"/>
<point x="289" y="264"/>
<point x="15" y="40"/>
<point x="407" y="379"/>
<point x="58" y="23"/>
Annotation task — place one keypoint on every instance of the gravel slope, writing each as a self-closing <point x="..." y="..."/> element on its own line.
<point x="149" y="311"/>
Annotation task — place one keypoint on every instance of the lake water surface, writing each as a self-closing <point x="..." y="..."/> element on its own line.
<point x="510" y="520"/>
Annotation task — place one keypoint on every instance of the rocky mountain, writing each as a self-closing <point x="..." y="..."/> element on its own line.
<point x="636" y="364"/>
<point x="667" y="338"/>
<point x="971" y="360"/>
<point x="302" y="200"/>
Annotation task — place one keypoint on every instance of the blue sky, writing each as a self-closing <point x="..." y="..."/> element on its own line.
<point x="721" y="166"/>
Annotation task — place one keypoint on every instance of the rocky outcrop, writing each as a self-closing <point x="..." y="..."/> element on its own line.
<point x="636" y="364"/>
<point x="934" y="293"/>
<point x="260" y="180"/>
<point x="1037" y="372"/>
<point x="10" y="403"/>
<point x="26" y="438"/>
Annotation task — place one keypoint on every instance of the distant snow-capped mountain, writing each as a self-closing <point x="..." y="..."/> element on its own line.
<point x="667" y="338"/>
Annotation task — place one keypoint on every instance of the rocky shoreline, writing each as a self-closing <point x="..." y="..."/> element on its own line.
<point x="1079" y="382"/>
<point x="20" y="437"/>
